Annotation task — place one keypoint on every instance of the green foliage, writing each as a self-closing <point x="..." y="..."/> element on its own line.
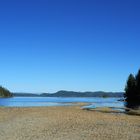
<point x="130" y="87"/>
<point x="138" y="83"/>
<point x="132" y="91"/>
<point x="4" y="92"/>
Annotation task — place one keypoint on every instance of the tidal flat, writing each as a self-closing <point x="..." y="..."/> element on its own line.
<point x="66" y="123"/>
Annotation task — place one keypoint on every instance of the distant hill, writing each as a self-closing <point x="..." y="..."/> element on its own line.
<point x="64" y="93"/>
<point x="18" y="94"/>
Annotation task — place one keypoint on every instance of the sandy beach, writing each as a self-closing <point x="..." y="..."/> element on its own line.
<point x="66" y="123"/>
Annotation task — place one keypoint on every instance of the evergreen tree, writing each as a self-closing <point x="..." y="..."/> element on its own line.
<point x="132" y="91"/>
<point x="138" y="83"/>
<point x="4" y="92"/>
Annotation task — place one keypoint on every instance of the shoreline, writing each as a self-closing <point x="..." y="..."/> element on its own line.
<point x="66" y="123"/>
<point x="84" y="106"/>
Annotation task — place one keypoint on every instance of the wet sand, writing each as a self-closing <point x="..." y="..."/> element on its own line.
<point x="66" y="123"/>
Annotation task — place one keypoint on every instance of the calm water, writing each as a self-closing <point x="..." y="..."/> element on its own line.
<point x="58" y="101"/>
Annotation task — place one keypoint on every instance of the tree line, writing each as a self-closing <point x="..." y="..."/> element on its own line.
<point x="132" y="91"/>
<point x="5" y="92"/>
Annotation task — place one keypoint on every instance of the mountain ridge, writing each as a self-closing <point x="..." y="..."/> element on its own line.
<point x="64" y="93"/>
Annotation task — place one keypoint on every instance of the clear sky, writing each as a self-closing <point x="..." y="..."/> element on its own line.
<point x="80" y="45"/>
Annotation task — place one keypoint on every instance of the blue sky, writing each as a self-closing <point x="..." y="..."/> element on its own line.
<point x="80" y="45"/>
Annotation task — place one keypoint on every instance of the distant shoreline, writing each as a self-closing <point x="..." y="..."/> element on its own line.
<point x="72" y="94"/>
